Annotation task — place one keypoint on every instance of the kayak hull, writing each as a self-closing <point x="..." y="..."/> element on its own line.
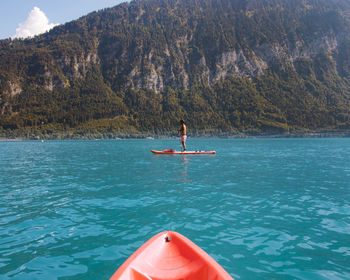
<point x="170" y="256"/>
<point x="167" y="152"/>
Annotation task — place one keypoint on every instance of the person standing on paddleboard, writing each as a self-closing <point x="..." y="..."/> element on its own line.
<point x="183" y="135"/>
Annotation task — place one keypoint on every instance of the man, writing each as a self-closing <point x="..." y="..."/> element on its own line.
<point x="183" y="135"/>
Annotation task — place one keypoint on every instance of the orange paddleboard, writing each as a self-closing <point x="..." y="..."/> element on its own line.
<point x="173" y="152"/>
<point x="170" y="256"/>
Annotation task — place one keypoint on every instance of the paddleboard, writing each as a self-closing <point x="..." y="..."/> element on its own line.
<point x="173" y="152"/>
<point x="170" y="255"/>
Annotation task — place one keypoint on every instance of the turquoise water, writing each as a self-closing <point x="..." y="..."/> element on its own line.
<point x="262" y="208"/>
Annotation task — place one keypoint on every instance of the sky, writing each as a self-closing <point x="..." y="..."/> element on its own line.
<point x="23" y="18"/>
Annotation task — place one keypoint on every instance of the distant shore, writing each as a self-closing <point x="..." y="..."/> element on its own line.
<point x="152" y="135"/>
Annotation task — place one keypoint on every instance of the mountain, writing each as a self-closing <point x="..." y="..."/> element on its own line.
<point x="226" y="66"/>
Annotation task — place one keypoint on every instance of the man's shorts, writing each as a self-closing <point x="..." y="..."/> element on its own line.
<point x="183" y="138"/>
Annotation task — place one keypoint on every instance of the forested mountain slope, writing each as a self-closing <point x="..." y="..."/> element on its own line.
<point x="223" y="65"/>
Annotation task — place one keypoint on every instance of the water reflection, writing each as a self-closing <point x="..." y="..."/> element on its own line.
<point x="184" y="169"/>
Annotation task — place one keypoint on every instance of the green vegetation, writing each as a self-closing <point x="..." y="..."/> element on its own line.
<point x="119" y="72"/>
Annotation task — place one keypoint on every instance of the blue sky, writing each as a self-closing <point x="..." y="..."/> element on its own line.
<point x="14" y="12"/>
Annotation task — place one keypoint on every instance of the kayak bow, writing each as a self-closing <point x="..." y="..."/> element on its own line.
<point x="170" y="256"/>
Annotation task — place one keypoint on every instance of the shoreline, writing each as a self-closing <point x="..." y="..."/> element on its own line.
<point x="149" y="136"/>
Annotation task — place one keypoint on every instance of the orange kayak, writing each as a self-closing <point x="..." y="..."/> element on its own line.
<point x="173" y="152"/>
<point x="170" y="256"/>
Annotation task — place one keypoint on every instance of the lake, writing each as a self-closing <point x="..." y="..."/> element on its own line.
<point x="262" y="208"/>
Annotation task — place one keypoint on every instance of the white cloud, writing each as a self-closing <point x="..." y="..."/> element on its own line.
<point x="35" y="24"/>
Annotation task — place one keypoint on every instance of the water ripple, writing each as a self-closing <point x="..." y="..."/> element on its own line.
<point x="263" y="208"/>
